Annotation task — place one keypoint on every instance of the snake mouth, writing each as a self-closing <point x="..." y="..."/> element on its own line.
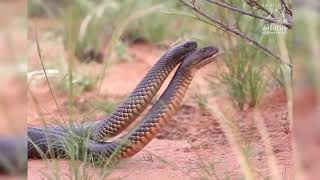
<point x="211" y="56"/>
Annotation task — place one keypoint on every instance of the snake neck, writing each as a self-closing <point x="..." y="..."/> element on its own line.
<point x="137" y="101"/>
<point x="159" y="114"/>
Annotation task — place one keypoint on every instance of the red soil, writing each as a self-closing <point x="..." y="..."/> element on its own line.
<point x="187" y="146"/>
<point x="193" y="137"/>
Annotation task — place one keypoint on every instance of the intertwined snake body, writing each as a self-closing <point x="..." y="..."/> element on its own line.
<point x="142" y="95"/>
<point x="122" y="116"/>
<point x="126" y="113"/>
<point x="160" y="113"/>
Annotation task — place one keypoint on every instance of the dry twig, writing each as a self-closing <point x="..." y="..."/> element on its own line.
<point x="233" y="31"/>
<point x="236" y="9"/>
<point x="285" y="6"/>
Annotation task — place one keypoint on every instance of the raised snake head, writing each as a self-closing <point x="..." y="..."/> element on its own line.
<point x="182" y="50"/>
<point x="200" y="57"/>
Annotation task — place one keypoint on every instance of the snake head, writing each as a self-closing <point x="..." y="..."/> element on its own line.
<point x="200" y="57"/>
<point x="182" y="50"/>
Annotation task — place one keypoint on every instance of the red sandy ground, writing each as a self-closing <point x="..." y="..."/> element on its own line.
<point x="306" y="132"/>
<point x="192" y="139"/>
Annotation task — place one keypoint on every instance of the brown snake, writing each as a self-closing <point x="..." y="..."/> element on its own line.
<point x="122" y="116"/>
<point x="142" y="95"/>
<point x="149" y="126"/>
<point x="158" y="115"/>
<point x="41" y="139"/>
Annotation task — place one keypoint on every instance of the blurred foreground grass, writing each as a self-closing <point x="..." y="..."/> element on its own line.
<point x="245" y="73"/>
<point x="13" y="100"/>
<point x="93" y="27"/>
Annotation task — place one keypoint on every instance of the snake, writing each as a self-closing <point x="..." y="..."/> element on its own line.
<point x="13" y="159"/>
<point x="147" y="129"/>
<point x="142" y="95"/>
<point x="124" y="114"/>
<point x="160" y="113"/>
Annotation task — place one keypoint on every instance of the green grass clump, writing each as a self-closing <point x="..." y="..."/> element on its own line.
<point x="121" y="51"/>
<point x="201" y="99"/>
<point x="247" y="68"/>
<point x="81" y="83"/>
<point x="35" y="8"/>
<point x="245" y="79"/>
<point x="278" y="75"/>
<point x="104" y="106"/>
<point x="88" y="27"/>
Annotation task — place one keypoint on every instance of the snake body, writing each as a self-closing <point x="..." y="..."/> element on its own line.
<point x="123" y="115"/>
<point x="41" y="139"/>
<point x="45" y="142"/>
<point x="159" y="114"/>
<point x="13" y="159"/>
<point x="142" y="95"/>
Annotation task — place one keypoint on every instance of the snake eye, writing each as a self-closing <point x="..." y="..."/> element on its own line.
<point x="203" y="50"/>
<point x="186" y="45"/>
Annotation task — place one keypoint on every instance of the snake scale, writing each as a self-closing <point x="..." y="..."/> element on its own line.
<point x="142" y="95"/>
<point x="161" y="112"/>
<point x="124" y="114"/>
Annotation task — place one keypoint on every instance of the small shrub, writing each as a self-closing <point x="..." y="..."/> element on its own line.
<point x="121" y="51"/>
<point x="278" y="74"/>
<point x="35" y="8"/>
<point x="104" y="106"/>
<point x="201" y="100"/>
<point x="81" y="83"/>
<point x="245" y="77"/>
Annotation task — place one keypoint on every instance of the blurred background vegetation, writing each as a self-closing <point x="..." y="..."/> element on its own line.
<point x="94" y="30"/>
<point x="101" y="31"/>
